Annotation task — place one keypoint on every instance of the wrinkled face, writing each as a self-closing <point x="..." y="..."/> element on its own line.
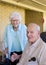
<point x="32" y="34"/>
<point x="15" y="22"/>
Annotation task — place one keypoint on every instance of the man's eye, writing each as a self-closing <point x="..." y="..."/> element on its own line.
<point x="31" y="32"/>
<point x="27" y="32"/>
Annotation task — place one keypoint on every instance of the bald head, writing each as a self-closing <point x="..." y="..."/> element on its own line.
<point x="33" y="32"/>
<point x="35" y="26"/>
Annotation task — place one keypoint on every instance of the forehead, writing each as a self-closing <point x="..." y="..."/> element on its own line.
<point x="15" y="18"/>
<point x="31" y="28"/>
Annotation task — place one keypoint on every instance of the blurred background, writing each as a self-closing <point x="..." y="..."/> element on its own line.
<point x="30" y="10"/>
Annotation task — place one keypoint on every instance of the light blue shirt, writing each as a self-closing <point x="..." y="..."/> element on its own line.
<point x="16" y="43"/>
<point x="15" y="40"/>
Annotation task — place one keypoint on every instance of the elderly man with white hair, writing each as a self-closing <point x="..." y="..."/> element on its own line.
<point x="35" y="50"/>
<point x="14" y="39"/>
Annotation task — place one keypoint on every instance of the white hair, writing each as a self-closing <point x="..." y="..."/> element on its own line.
<point x="37" y="27"/>
<point x="15" y="14"/>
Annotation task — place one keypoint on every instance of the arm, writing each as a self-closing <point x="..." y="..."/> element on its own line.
<point x="43" y="56"/>
<point x="24" y="37"/>
<point x="23" y="57"/>
<point x="5" y="46"/>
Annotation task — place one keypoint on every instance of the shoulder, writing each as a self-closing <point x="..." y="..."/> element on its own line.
<point x="8" y="26"/>
<point x="23" y="26"/>
<point x="43" y="46"/>
<point x="42" y="41"/>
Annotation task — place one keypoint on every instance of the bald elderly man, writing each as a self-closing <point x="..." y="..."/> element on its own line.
<point x="35" y="51"/>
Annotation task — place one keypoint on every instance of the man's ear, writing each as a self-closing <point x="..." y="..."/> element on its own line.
<point x="39" y="33"/>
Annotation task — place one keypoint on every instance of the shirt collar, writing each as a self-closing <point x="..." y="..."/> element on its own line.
<point x="18" y="27"/>
<point x="36" y="43"/>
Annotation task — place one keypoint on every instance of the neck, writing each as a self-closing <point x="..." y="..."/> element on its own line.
<point x="15" y="28"/>
<point x="31" y="43"/>
<point x="35" y="41"/>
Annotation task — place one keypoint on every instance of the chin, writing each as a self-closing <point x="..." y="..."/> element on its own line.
<point x="15" y="26"/>
<point x="30" y="41"/>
